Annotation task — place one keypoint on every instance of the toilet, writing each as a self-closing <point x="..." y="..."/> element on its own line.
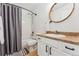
<point x="29" y="43"/>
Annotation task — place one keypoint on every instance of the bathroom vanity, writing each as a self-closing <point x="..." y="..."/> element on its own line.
<point x="57" y="45"/>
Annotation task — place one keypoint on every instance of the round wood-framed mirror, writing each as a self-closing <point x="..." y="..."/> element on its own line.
<point x="59" y="12"/>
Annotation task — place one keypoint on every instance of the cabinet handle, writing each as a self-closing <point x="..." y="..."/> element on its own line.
<point x="46" y="48"/>
<point x="69" y="48"/>
<point x="50" y="50"/>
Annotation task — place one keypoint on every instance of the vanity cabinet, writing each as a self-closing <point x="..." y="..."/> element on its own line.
<point x="50" y="47"/>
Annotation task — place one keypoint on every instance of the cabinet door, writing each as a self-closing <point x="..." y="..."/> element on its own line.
<point x="42" y="48"/>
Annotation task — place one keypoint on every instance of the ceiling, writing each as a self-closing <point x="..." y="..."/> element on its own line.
<point x="29" y="6"/>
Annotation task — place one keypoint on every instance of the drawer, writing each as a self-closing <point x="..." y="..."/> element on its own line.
<point x="69" y="48"/>
<point x="57" y="52"/>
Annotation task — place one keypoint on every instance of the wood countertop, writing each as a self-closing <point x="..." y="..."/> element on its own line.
<point x="64" y="38"/>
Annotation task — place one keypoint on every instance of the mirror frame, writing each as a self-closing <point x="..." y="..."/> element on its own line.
<point x="62" y="19"/>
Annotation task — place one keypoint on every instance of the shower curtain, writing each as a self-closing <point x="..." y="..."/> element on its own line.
<point x="11" y="16"/>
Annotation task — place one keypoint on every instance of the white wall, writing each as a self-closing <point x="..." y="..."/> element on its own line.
<point x="26" y="25"/>
<point x="41" y="24"/>
<point x="41" y="21"/>
<point x="71" y="24"/>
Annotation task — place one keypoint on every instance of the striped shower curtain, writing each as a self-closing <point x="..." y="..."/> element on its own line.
<point x="11" y="16"/>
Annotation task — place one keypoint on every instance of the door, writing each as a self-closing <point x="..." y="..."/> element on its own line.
<point x="42" y="48"/>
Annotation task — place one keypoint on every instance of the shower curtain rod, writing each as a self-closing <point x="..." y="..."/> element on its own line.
<point x="22" y="8"/>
